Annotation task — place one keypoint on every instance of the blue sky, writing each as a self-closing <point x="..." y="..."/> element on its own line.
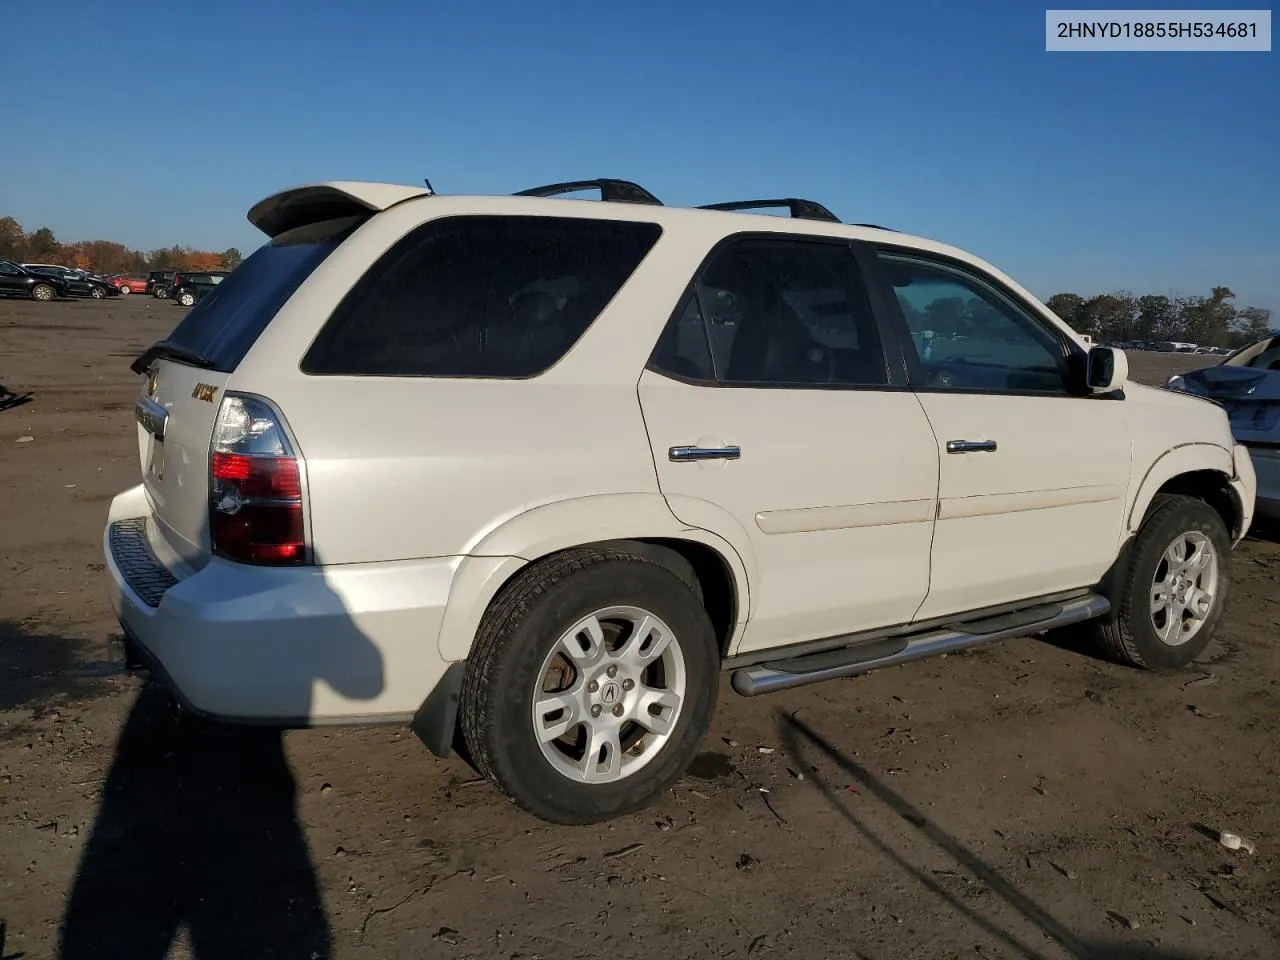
<point x="1086" y="172"/>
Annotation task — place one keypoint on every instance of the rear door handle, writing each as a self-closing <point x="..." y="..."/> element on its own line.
<point x="690" y="454"/>
<point x="152" y="416"/>
<point x="971" y="446"/>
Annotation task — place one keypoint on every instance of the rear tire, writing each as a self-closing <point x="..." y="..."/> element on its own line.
<point x="186" y="299"/>
<point x="160" y="293"/>
<point x="98" y="292"/>
<point x="642" y="684"/>
<point x="1174" y="594"/>
<point x="42" y="292"/>
<point x="125" y="290"/>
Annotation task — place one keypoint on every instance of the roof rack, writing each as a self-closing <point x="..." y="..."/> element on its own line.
<point x="874" y="226"/>
<point x="800" y="209"/>
<point x="623" y="191"/>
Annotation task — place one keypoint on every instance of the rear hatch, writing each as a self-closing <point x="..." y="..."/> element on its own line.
<point x="189" y="372"/>
<point x="1251" y="397"/>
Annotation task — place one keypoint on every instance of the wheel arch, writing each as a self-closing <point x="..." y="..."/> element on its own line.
<point x="1200" y="470"/>
<point x="640" y="520"/>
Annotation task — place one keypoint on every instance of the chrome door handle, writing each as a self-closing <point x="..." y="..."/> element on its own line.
<point x="151" y="415"/>
<point x="689" y="454"/>
<point x="971" y="446"/>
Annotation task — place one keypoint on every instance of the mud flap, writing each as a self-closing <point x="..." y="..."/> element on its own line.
<point x="1112" y="583"/>
<point x="436" y="721"/>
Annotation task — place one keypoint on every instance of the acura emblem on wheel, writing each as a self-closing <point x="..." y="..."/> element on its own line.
<point x="610" y="693"/>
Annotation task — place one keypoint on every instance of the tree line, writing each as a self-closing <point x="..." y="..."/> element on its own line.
<point x="104" y="256"/>
<point x="1212" y="321"/>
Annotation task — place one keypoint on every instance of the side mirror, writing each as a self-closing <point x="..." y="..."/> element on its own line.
<point x="1107" y="370"/>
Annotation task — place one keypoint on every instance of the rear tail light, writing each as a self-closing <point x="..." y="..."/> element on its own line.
<point x="255" y="486"/>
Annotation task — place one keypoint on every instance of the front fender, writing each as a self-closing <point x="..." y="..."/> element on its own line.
<point x="552" y="527"/>
<point x="1185" y="458"/>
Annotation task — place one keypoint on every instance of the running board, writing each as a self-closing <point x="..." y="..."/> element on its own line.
<point x="890" y="651"/>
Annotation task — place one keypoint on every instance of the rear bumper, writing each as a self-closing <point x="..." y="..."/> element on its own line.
<point x="1244" y="485"/>
<point x="298" y="646"/>
<point x="1266" y="465"/>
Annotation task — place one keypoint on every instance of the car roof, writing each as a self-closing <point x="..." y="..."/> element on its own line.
<point x="335" y="199"/>
<point x="332" y="199"/>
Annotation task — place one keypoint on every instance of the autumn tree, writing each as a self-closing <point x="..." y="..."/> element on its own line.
<point x="1156" y="317"/>
<point x="167" y="258"/>
<point x="203" y="260"/>
<point x="1108" y="316"/>
<point x="1068" y="307"/>
<point x="13" y="240"/>
<point x="104" y="256"/>
<point x="1251" y="323"/>
<point x="43" y="246"/>
<point x="1207" y="319"/>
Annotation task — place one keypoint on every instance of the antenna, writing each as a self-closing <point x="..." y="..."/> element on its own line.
<point x="430" y="189"/>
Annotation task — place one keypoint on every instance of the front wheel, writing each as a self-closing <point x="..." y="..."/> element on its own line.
<point x="186" y="298"/>
<point x="42" y="292"/>
<point x="160" y="293"/>
<point x="591" y="684"/>
<point x="1175" y="592"/>
<point x="98" y="292"/>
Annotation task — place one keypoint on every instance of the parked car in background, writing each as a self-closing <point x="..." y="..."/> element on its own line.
<point x="130" y="283"/>
<point x="190" y="287"/>
<point x="499" y="467"/>
<point x="79" y="283"/>
<point x="158" y="283"/>
<point x="1247" y="385"/>
<point x="17" y="281"/>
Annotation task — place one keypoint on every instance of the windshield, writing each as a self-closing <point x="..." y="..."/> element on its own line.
<point x="1263" y="355"/>
<point x="224" y="324"/>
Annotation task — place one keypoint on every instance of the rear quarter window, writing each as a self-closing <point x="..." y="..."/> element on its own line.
<point x="480" y="296"/>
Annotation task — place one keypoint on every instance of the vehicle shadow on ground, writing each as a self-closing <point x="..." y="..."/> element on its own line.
<point x="3" y="955"/>
<point x="10" y="400"/>
<point x="1265" y="530"/>
<point x="797" y="737"/>
<point x="36" y="669"/>
<point x="196" y="837"/>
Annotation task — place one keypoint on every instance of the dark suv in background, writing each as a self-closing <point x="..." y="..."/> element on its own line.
<point x="159" y="282"/>
<point x="190" y="286"/>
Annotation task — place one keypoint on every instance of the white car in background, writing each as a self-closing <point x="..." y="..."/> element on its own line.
<point x="537" y="471"/>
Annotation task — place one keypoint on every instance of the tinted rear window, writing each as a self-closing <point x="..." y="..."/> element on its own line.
<point x="480" y="297"/>
<point x="224" y="325"/>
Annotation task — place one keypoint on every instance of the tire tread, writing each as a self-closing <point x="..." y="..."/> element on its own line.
<point x="513" y="604"/>
<point x="1115" y="636"/>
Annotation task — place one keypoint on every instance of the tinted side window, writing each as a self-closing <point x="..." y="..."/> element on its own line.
<point x="968" y="335"/>
<point x="790" y="312"/>
<point x="683" y="350"/>
<point x="480" y="297"/>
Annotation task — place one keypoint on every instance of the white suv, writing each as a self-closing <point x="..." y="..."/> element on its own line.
<point x="533" y="471"/>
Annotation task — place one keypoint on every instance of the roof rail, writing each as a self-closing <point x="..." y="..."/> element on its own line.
<point x="800" y="209"/>
<point x="874" y="226"/>
<point x="623" y="191"/>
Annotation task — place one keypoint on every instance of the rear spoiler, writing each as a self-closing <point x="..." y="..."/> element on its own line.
<point x="312" y="203"/>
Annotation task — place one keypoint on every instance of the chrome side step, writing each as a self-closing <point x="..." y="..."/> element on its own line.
<point x="887" y="652"/>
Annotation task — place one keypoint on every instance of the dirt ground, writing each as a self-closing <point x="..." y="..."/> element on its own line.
<point x="1019" y="801"/>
